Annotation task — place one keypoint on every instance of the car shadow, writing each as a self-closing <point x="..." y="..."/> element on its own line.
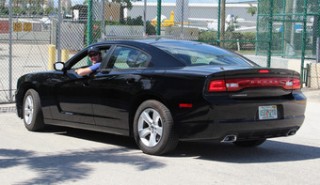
<point x="270" y="151"/>
<point x="101" y="137"/>
<point x="57" y="168"/>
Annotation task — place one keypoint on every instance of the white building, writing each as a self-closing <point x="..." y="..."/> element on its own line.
<point x="197" y="14"/>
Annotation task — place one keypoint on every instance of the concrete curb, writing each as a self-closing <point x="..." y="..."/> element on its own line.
<point x="8" y="107"/>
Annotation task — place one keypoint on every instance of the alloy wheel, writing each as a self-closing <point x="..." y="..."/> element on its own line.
<point x="150" y="127"/>
<point x="28" y="110"/>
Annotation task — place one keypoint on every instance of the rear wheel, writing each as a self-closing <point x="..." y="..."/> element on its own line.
<point x="32" y="114"/>
<point x="250" y="143"/>
<point x="153" y="128"/>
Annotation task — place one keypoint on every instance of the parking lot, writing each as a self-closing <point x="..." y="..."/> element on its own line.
<point x="69" y="156"/>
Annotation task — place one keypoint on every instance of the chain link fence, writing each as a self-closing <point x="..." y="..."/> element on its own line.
<point x="292" y="25"/>
<point x="34" y="34"/>
<point x="22" y="50"/>
<point x="289" y="29"/>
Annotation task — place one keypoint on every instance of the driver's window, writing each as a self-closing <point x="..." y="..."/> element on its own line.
<point x="85" y="60"/>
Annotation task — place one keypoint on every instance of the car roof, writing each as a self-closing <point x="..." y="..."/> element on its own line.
<point x="156" y="42"/>
<point x="149" y="41"/>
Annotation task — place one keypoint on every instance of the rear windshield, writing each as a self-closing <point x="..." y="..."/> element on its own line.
<point x="194" y="53"/>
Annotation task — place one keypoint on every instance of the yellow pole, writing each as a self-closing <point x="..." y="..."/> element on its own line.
<point x="65" y="55"/>
<point x="52" y="56"/>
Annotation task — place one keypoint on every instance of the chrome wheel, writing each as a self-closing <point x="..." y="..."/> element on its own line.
<point x="28" y="110"/>
<point x="150" y="127"/>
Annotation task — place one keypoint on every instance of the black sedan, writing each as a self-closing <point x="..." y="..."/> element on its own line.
<point x="163" y="91"/>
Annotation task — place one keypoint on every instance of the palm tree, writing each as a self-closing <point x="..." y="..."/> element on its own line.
<point x="252" y="10"/>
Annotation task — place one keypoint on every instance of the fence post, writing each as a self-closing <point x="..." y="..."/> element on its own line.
<point x="59" y="31"/>
<point x="219" y="21"/>
<point x="103" y="21"/>
<point x="304" y="35"/>
<point x="159" y="18"/>
<point x="223" y="22"/>
<point x="10" y="51"/>
<point x="145" y="18"/>
<point x="318" y="34"/>
<point x="89" y="23"/>
<point x="270" y="33"/>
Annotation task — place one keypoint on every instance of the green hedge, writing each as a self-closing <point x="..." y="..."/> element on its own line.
<point x="247" y="40"/>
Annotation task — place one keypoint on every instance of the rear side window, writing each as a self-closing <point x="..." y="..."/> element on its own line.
<point x="126" y="58"/>
<point x="192" y="53"/>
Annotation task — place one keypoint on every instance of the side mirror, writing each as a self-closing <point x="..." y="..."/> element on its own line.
<point x="59" y="66"/>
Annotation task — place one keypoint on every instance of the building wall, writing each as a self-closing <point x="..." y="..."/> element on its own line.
<point x="112" y="12"/>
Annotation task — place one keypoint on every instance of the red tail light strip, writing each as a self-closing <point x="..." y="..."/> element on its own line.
<point x="241" y="83"/>
<point x="263" y="71"/>
<point x="185" y="105"/>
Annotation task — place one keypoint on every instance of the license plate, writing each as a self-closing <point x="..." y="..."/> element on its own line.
<point x="268" y="112"/>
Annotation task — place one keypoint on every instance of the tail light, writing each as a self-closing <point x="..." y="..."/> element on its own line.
<point x="217" y="86"/>
<point x="296" y="84"/>
<point x="242" y="83"/>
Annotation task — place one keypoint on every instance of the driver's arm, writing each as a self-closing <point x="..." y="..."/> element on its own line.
<point x="88" y="70"/>
<point x="83" y="71"/>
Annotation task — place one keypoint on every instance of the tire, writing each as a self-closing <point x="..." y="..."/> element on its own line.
<point x="32" y="114"/>
<point x="153" y="128"/>
<point x="250" y="143"/>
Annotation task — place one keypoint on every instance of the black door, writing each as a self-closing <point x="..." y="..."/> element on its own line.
<point x="118" y="86"/>
<point x="74" y="99"/>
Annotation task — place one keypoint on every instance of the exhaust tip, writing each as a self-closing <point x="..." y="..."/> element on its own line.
<point x="229" y="139"/>
<point x="292" y="132"/>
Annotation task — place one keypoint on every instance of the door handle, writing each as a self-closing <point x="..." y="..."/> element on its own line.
<point x="86" y="83"/>
<point x="131" y="80"/>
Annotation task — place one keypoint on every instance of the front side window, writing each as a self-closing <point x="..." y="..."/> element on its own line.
<point x="85" y="61"/>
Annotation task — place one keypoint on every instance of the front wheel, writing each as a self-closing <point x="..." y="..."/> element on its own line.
<point x="32" y="114"/>
<point x="250" y="143"/>
<point x="153" y="128"/>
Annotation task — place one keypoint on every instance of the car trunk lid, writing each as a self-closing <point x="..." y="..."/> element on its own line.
<point x="256" y="82"/>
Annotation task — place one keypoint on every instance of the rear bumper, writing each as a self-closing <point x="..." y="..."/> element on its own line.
<point x="215" y="121"/>
<point x="243" y="130"/>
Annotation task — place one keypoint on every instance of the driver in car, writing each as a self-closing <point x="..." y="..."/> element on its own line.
<point x="95" y="57"/>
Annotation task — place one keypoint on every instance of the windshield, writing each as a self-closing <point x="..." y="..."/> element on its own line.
<point x="194" y="53"/>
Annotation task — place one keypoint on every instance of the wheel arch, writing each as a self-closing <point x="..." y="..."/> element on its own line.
<point x="20" y="96"/>
<point x="137" y="102"/>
